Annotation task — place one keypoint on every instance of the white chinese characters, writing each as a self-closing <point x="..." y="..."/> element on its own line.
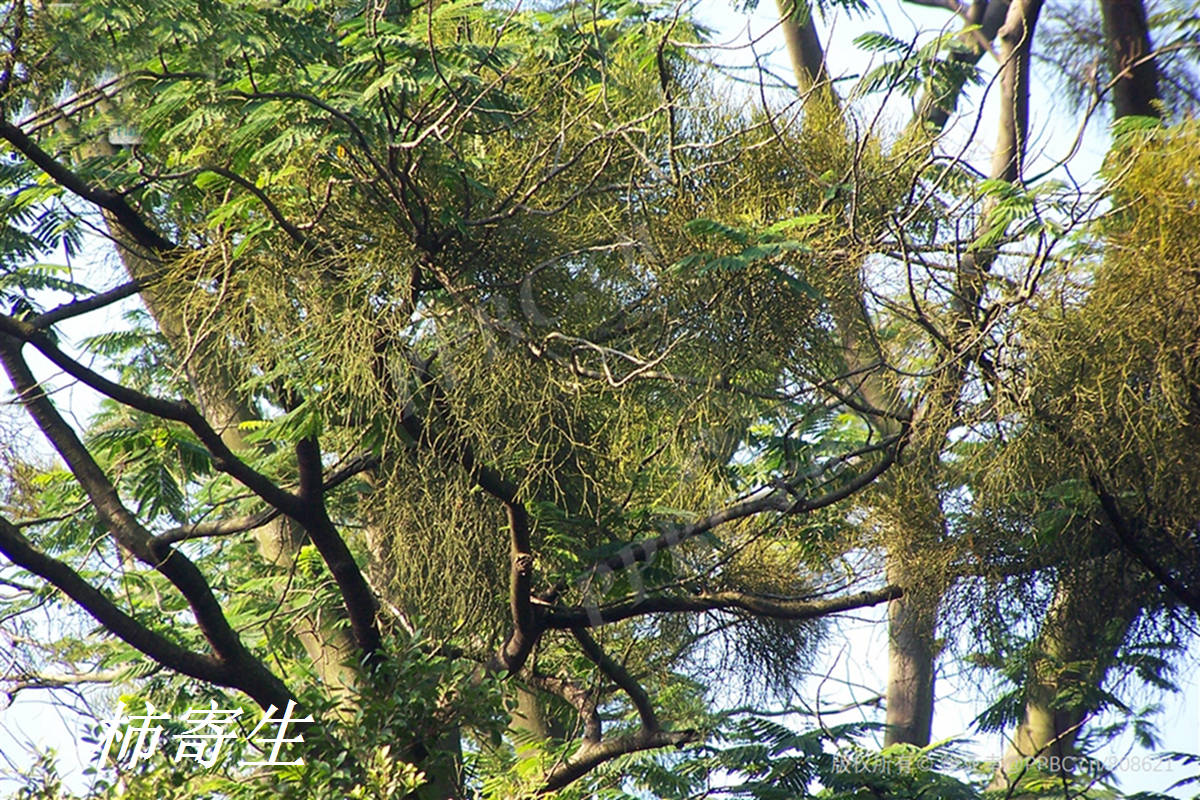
<point x="206" y="731"/>
<point x="141" y="737"/>
<point x="279" y="739"/>
<point x="209" y="731"/>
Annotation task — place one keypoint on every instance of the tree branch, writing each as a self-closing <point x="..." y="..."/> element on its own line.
<point x="308" y="465"/>
<point x="580" y="699"/>
<point x="1016" y="46"/>
<point x="1129" y="540"/>
<point x="782" y="497"/>
<point x="227" y="527"/>
<point x="179" y="411"/>
<point x="76" y="308"/>
<point x="110" y="201"/>
<point x="527" y="628"/>
<point x="364" y="144"/>
<point x="361" y="607"/>
<point x="208" y="668"/>
<point x="759" y="605"/>
<point x="174" y="566"/>
<point x="291" y="230"/>
<point x="62" y="680"/>
<point x="224" y="527"/>
<point x="804" y="48"/>
<point x="934" y="110"/>
<point x="619" y="675"/>
<point x="592" y="755"/>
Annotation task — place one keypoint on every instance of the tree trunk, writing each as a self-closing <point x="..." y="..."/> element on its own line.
<point x="911" y="621"/>
<point x="911" y="627"/>
<point x="804" y="47"/>
<point x="1130" y="59"/>
<point x="1093" y="609"/>
<point x="1087" y="622"/>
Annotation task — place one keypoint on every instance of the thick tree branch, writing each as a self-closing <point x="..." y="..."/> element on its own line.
<point x="110" y="201"/>
<point x="361" y="607"/>
<point x="526" y="626"/>
<point x="197" y="665"/>
<point x="592" y="755"/>
<point x="223" y="527"/>
<point x="758" y="605"/>
<point x="579" y="698"/>
<point x="255" y="680"/>
<point x="174" y="566"/>
<point x="1016" y="46"/>
<point x="618" y="675"/>
<point x="76" y="308"/>
<point x="178" y="411"/>
<point x="308" y="466"/>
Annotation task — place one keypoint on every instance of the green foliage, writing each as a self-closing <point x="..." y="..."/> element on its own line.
<point x="499" y="257"/>
<point x="930" y="68"/>
<point x="760" y="758"/>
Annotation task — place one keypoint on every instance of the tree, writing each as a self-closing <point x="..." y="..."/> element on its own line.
<point x="1085" y="624"/>
<point x="331" y="220"/>
<point x="1098" y="439"/>
<point x="481" y="345"/>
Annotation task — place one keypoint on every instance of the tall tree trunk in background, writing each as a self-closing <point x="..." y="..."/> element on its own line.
<point x="326" y="640"/>
<point x="1088" y="619"/>
<point x="1093" y="608"/>
<point x="912" y="625"/>
<point x="803" y="46"/>
<point x="1130" y="59"/>
<point x="912" y="619"/>
<point x="935" y="106"/>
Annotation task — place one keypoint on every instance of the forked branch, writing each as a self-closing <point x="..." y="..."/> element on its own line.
<point x="174" y="566"/>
